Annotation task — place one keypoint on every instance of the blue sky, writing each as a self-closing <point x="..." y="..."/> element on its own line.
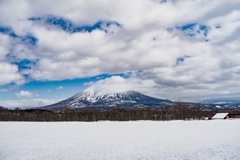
<point x="179" y="50"/>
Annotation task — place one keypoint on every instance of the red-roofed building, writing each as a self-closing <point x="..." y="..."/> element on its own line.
<point x="224" y="116"/>
<point x="232" y="115"/>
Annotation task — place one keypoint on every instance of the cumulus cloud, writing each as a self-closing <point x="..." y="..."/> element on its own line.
<point x="9" y="74"/>
<point x="181" y="63"/>
<point x="120" y="84"/>
<point x="193" y="92"/>
<point x="4" y="45"/>
<point x="110" y="85"/>
<point x="24" y="94"/>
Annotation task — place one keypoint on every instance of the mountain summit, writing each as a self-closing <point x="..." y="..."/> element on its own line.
<point x="93" y="100"/>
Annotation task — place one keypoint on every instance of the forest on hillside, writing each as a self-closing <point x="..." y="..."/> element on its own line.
<point x="180" y="111"/>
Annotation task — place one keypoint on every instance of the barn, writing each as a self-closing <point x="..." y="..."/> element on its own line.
<point x="234" y="116"/>
<point x="220" y="116"/>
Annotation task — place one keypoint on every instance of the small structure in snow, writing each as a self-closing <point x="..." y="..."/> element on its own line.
<point x="220" y="116"/>
<point x="198" y="118"/>
<point x="218" y="106"/>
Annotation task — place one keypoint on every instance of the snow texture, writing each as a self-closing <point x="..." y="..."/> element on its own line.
<point x="92" y="96"/>
<point x="134" y="140"/>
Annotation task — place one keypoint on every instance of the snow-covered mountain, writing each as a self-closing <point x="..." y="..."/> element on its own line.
<point x="91" y="99"/>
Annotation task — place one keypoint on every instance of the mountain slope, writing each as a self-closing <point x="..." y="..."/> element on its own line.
<point x="91" y="99"/>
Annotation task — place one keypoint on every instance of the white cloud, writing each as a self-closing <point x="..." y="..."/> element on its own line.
<point x="109" y="85"/>
<point x="195" y="92"/>
<point x="24" y="94"/>
<point x="27" y="103"/>
<point x="141" y="43"/>
<point x="3" y="90"/>
<point x="120" y="84"/>
<point x="4" y="46"/>
<point x="60" y="87"/>
<point x="9" y="74"/>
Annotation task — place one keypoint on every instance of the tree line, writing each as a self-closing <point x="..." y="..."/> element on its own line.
<point x="179" y="111"/>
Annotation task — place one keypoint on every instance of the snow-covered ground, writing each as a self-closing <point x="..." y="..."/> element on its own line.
<point x="193" y="140"/>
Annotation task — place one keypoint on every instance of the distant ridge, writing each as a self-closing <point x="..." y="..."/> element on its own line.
<point x="3" y="108"/>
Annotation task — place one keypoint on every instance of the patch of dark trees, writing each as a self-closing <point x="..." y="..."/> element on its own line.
<point x="179" y="111"/>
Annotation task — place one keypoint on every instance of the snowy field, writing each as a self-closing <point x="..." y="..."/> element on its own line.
<point x="185" y="140"/>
